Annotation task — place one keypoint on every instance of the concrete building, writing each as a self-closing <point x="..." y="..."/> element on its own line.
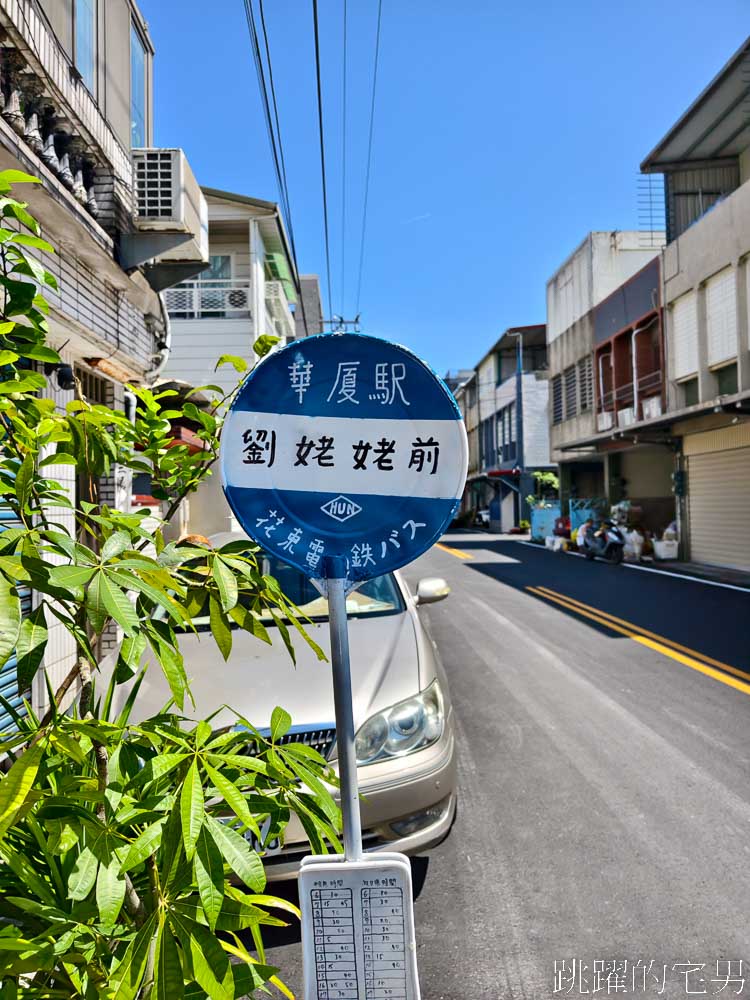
<point x="506" y="405"/>
<point x="588" y="277"/>
<point x="671" y="346"/>
<point x="466" y="397"/>
<point x="705" y="160"/>
<point x="248" y="290"/>
<point x="127" y="219"/>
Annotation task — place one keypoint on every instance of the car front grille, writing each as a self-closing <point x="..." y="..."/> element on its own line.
<point x="321" y="739"/>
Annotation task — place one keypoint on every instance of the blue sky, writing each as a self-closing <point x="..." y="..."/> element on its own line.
<point x="504" y="132"/>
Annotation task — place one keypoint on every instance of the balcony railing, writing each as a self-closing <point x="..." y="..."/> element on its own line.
<point x="650" y="384"/>
<point x="211" y="298"/>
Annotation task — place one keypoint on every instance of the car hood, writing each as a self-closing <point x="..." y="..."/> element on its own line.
<point x="257" y="677"/>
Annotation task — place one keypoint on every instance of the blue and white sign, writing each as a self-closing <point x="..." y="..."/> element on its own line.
<point x="344" y="445"/>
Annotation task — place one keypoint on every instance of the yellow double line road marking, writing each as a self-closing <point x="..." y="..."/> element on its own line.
<point x="454" y="552"/>
<point x="668" y="647"/>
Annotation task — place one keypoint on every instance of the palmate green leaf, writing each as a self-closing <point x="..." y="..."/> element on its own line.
<point x="171" y="663"/>
<point x="233" y="798"/>
<point x="32" y="642"/>
<point x="237" y="853"/>
<point x="226" y="583"/>
<point x="157" y="767"/>
<point x="115" y="545"/>
<point x="24" y="481"/>
<point x="8" y="357"/>
<point x="83" y="875"/>
<point x="16" y="785"/>
<point x="209" y="877"/>
<point x="249" y="622"/>
<point x="281" y="722"/>
<point x="10" y="619"/>
<point x="192" y="809"/>
<point x="220" y="627"/>
<point x="95" y="609"/>
<point x="169" y="981"/>
<point x="110" y="892"/>
<point x="70" y="576"/>
<point x="117" y="604"/>
<point x="144" y="845"/>
<point x="210" y="963"/>
<point x="127" y="977"/>
<point x="63" y="834"/>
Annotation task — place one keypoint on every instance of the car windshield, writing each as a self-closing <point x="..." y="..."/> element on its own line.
<point x="379" y="596"/>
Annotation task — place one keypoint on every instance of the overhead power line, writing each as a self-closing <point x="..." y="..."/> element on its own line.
<point x="273" y="128"/>
<point x="343" y="176"/>
<point x="322" y="155"/>
<point x="369" y="156"/>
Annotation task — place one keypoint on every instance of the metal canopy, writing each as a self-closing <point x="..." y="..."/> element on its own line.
<point x="716" y="125"/>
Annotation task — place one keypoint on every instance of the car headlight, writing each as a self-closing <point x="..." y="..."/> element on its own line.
<point x="410" y="725"/>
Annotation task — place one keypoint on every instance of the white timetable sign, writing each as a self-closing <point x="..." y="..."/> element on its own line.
<point x="358" y="929"/>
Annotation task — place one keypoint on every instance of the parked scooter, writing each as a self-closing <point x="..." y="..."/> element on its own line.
<point x="607" y="543"/>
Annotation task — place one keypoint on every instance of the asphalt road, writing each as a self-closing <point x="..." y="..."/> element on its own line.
<point x="604" y="811"/>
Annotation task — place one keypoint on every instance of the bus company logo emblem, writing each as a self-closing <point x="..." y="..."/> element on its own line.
<point x="341" y="508"/>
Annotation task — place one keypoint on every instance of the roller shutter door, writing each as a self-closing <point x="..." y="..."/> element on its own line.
<point x="8" y="685"/>
<point x="718" y="493"/>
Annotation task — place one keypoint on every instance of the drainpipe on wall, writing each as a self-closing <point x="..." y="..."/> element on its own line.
<point x="638" y="329"/>
<point x="601" y="379"/>
<point x="163" y="356"/>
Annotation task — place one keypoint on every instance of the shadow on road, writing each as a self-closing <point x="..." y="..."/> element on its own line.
<point x="676" y="608"/>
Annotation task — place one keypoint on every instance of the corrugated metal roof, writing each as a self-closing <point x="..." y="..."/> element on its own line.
<point x="717" y="123"/>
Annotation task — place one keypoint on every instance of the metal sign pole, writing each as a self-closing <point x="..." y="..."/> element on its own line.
<point x="342" y="697"/>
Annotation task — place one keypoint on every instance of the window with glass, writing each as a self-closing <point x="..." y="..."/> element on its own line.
<point x="85" y="41"/>
<point x="137" y="90"/>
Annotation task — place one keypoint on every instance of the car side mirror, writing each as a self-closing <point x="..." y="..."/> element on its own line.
<point x="431" y="589"/>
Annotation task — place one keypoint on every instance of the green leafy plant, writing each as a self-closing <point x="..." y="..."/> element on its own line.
<point x="128" y="866"/>
<point x="547" y="489"/>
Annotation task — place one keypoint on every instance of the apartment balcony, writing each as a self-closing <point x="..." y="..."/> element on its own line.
<point x="218" y="298"/>
<point x="623" y="406"/>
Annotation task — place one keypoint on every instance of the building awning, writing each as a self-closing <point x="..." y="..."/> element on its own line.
<point x="495" y="477"/>
<point x="715" y="126"/>
<point x="736" y="405"/>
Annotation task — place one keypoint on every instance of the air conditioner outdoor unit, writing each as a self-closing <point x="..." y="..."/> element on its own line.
<point x="169" y="200"/>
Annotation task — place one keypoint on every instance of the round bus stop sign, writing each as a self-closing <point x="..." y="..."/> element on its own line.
<point x="343" y="445"/>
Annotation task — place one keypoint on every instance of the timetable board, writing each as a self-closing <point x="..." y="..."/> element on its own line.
<point x="358" y="929"/>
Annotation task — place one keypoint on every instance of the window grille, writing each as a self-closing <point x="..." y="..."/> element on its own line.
<point x="95" y="389"/>
<point x="557" y="400"/>
<point x="571" y="399"/>
<point x="586" y="384"/>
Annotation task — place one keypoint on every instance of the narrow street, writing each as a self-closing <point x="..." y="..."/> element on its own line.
<point x="603" y="795"/>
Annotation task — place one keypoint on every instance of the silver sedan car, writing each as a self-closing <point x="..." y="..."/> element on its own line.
<point x="405" y="743"/>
